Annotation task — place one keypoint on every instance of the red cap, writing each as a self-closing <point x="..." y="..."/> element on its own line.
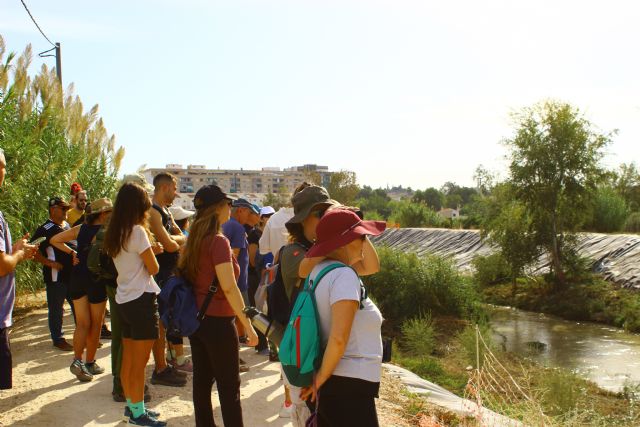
<point x="339" y="227"/>
<point x="75" y="188"/>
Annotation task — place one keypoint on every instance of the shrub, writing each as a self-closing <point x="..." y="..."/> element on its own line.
<point x="609" y="211"/>
<point x="632" y="224"/>
<point x="468" y="340"/>
<point x="561" y="391"/>
<point x="409" y="285"/>
<point x="419" y="336"/>
<point x="409" y="214"/>
<point x="490" y="270"/>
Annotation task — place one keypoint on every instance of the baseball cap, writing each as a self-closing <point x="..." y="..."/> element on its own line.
<point x="244" y="203"/>
<point x="209" y="195"/>
<point x="178" y="213"/>
<point x="267" y="210"/>
<point x="58" y="201"/>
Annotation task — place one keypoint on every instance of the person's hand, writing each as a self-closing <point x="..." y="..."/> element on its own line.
<point x="252" y="337"/>
<point x="74" y="258"/>
<point x="20" y="243"/>
<point x="157" y="248"/>
<point x="29" y="250"/>
<point x="56" y="265"/>
<point x="308" y="392"/>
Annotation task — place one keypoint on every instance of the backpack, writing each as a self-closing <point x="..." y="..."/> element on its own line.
<point x="177" y="306"/>
<point x="279" y="305"/>
<point x="300" y="349"/>
<point x="98" y="262"/>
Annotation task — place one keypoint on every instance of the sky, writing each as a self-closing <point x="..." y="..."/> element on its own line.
<point x="412" y="93"/>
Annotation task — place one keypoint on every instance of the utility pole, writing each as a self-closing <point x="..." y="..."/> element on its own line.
<point x="58" y="63"/>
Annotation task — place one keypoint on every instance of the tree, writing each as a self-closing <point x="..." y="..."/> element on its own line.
<point x="375" y="202"/>
<point x="627" y="183"/>
<point x="554" y="169"/>
<point x="432" y="197"/>
<point x="409" y="214"/>
<point x="484" y="180"/>
<point x="343" y="187"/>
<point x="610" y="211"/>
<point x="276" y="200"/>
<point x="509" y="226"/>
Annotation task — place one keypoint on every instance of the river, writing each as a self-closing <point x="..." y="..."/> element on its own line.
<point x="608" y="356"/>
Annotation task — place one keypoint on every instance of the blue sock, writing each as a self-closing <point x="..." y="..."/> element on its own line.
<point x="137" y="409"/>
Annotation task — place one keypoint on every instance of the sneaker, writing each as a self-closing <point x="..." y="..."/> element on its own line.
<point x="94" y="368"/>
<point x="79" y="369"/>
<point x="119" y="396"/>
<point x="145" y="420"/>
<point x="168" y="377"/>
<point x="243" y="368"/>
<point x="128" y="414"/>
<point x="63" y="345"/>
<point x="187" y="366"/>
<point x="287" y="410"/>
<point x="105" y="333"/>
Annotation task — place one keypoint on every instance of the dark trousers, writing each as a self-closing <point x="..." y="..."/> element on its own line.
<point x="57" y="293"/>
<point x="348" y="402"/>
<point x="116" y="340"/>
<point x="214" y="351"/>
<point x="6" y="378"/>
<point x="254" y="281"/>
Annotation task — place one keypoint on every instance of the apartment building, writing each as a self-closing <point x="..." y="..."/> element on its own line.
<point x="250" y="184"/>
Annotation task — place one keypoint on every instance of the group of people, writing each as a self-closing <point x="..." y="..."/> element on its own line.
<point x="227" y="242"/>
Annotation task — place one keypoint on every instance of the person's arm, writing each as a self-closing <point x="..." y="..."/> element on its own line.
<point x="342" y="314"/>
<point x="155" y="224"/>
<point x="370" y="263"/>
<point x="21" y="251"/>
<point x="227" y="281"/>
<point x="265" y="239"/>
<point x="253" y="248"/>
<point x="150" y="261"/>
<point x="176" y="233"/>
<point x="59" y="240"/>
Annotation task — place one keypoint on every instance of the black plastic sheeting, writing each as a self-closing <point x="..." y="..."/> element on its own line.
<point x="615" y="256"/>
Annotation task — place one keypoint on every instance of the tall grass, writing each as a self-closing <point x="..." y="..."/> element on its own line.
<point x="50" y="141"/>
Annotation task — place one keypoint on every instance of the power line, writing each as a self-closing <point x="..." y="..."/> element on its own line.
<point x="34" y="21"/>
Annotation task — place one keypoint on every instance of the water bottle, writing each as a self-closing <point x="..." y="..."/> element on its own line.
<point x="270" y="328"/>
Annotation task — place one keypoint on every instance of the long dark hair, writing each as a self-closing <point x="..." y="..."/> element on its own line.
<point x="205" y="224"/>
<point x="130" y="209"/>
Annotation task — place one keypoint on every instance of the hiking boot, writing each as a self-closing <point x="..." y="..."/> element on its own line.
<point x="128" y="414"/>
<point x="79" y="369"/>
<point x="145" y="420"/>
<point x="63" y="345"/>
<point x="169" y="377"/>
<point x="105" y="333"/>
<point x="94" y="368"/>
<point x="187" y="366"/>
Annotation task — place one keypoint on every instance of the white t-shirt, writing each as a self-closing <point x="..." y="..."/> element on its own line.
<point x="275" y="234"/>
<point x="363" y="355"/>
<point x="133" y="277"/>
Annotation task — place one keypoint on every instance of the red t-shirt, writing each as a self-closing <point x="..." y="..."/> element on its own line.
<point x="215" y="250"/>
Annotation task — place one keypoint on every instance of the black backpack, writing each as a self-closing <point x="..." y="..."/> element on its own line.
<point x="279" y="305"/>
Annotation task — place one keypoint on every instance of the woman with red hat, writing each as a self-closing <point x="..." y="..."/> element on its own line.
<point x="348" y="380"/>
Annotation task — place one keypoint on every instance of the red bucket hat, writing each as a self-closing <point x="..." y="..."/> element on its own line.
<point x="339" y="227"/>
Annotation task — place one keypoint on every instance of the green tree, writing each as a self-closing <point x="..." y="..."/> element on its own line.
<point x="627" y="183"/>
<point x="555" y="168"/>
<point x="276" y="200"/>
<point x="375" y="202"/>
<point x="432" y="197"/>
<point x="409" y="214"/>
<point x="343" y="187"/>
<point x="509" y="226"/>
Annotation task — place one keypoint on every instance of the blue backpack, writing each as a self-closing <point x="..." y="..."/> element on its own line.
<point x="300" y="350"/>
<point x="177" y="306"/>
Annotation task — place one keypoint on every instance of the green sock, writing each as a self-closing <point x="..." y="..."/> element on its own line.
<point x="129" y="402"/>
<point x="137" y="409"/>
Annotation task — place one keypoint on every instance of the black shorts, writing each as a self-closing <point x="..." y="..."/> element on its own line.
<point x="5" y="360"/>
<point x="140" y="317"/>
<point x="81" y="285"/>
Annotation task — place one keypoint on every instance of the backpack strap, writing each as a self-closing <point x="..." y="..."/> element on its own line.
<point x="213" y="288"/>
<point x="312" y="284"/>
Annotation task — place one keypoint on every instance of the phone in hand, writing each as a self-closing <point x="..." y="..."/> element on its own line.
<point x="38" y="240"/>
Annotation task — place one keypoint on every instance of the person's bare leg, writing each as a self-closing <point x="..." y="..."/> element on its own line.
<point x="140" y="350"/>
<point x="83" y="324"/>
<point x="158" y="350"/>
<point x="125" y="368"/>
<point x="93" y="337"/>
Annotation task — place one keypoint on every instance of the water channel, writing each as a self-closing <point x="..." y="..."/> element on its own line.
<point x="606" y="355"/>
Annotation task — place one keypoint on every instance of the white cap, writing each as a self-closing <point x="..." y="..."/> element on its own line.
<point x="179" y="213"/>
<point x="267" y="210"/>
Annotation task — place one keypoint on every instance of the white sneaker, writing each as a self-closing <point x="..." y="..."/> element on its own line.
<point x="286" y="410"/>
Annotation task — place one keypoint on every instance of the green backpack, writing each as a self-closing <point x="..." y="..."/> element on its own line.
<point x="300" y="350"/>
<point x="99" y="263"/>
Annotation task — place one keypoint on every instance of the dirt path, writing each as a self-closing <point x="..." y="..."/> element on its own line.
<point x="45" y="393"/>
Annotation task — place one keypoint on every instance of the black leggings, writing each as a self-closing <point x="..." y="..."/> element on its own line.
<point x="348" y="402"/>
<point x="214" y="351"/>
